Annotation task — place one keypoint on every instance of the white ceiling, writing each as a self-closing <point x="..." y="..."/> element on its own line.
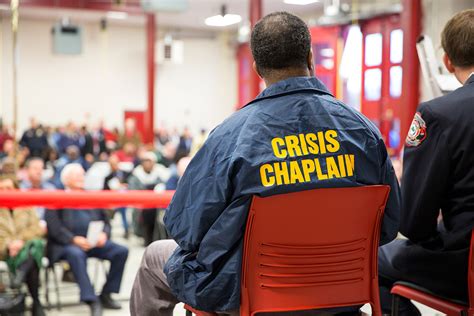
<point x="193" y="17"/>
<point x="201" y="9"/>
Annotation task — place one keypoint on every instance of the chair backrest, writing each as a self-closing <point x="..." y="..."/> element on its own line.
<point x="313" y="249"/>
<point x="470" y="275"/>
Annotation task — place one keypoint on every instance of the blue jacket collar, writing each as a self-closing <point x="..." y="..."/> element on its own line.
<point x="470" y="79"/>
<point x="291" y="85"/>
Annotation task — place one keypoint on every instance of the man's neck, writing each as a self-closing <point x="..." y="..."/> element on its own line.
<point x="279" y="76"/>
<point x="36" y="184"/>
<point x="463" y="74"/>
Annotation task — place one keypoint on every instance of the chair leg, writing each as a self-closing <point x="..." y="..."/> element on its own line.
<point x="46" y="288"/>
<point x="395" y="304"/>
<point x="188" y="313"/>
<point x="56" y="286"/>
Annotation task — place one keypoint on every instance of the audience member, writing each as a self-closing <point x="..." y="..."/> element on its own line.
<point x="4" y="135"/>
<point x="130" y="134"/>
<point x="161" y="138"/>
<point x="172" y="182"/>
<point x="199" y="142"/>
<point x="35" y="139"/>
<point x="159" y="231"/>
<point x="185" y="145"/>
<point x="86" y="144"/>
<point x="128" y="153"/>
<point x="22" y="247"/>
<point x="72" y="156"/>
<point x="117" y="180"/>
<point x="35" y="180"/>
<point x="8" y="149"/>
<point x="67" y="138"/>
<point x="99" y="138"/>
<point x="67" y="240"/>
<point x="145" y="177"/>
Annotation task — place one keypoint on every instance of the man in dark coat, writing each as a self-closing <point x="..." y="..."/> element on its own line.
<point x="68" y="240"/>
<point x="438" y="175"/>
<point x="35" y="139"/>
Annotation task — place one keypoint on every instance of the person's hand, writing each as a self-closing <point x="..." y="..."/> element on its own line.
<point x="81" y="242"/>
<point x="102" y="240"/>
<point x="14" y="247"/>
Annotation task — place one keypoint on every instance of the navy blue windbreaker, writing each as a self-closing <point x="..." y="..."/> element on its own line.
<point x="294" y="136"/>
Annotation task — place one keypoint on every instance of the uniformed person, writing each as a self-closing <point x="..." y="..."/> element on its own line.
<point x="35" y="139"/>
<point x="294" y="136"/>
<point x="438" y="175"/>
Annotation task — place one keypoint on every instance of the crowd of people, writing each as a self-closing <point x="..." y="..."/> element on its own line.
<point x="78" y="158"/>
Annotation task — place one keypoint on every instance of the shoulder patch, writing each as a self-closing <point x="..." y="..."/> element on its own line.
<point x="417" y="133"/>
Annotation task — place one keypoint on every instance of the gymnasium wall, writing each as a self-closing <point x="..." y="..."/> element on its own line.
<point x="110" y="77"/>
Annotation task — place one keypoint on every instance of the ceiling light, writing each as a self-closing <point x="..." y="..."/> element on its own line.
<point x="117" y="15"/>
<point x="223" y="19"/>
<point x="300" y="2"/>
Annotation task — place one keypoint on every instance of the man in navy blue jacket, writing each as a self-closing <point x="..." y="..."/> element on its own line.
<point x="294" y="136"/>
<point x="438" y="175"/>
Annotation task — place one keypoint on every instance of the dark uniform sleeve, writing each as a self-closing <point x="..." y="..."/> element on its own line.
<point x="201" y="196"/>
<point x="425" y="174"/>
<point x="391" y="219"/>
<point x="56" y="229"/>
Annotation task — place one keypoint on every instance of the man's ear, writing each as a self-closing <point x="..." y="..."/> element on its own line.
<point x="310" y="62"/>
<point x="254" y="66"/>
<point x="448" y="63"/>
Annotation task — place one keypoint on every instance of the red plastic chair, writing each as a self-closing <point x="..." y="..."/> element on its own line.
<point x="311" y="250"/>
<point x="447" y="306"/>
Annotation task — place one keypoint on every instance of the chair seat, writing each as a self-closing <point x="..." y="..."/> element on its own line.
<point x="427" y="297"/>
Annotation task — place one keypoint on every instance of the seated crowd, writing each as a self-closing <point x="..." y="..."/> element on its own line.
<point x="74" y="158"/>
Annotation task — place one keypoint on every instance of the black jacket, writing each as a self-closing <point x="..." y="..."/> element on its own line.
<point x="60" y="224"/>
<point x="439" y="172"/>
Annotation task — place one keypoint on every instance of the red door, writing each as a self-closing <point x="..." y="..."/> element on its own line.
<point x="382" y="71"/>
<point x="250" y="84"/>
<point x="244" y="61"/>
<point x="325" y="53"/>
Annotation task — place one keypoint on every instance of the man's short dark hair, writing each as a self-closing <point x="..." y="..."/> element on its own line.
<point x="280" y="41"/>
<point x="457" y="39"/>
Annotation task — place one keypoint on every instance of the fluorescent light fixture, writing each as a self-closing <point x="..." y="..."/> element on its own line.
<point x="300" y="2"/>
<point x="117" y="15"/>
<point x="223" y="20"/>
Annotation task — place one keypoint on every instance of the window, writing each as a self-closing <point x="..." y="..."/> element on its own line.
<point x="396" y="74"/>
<point x="324" y="55"/>
<point x="396" y="46"/>
<point x="373" y="49"/>
<point x="373" y="84"/>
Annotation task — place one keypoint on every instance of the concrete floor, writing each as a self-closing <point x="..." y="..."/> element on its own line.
<point x="70" y="293"/>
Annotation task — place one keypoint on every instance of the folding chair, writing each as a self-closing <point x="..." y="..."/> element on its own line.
<point x="313" y="249"/>
<point x="50" y="269"/>
<point x="447" y="306"/>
